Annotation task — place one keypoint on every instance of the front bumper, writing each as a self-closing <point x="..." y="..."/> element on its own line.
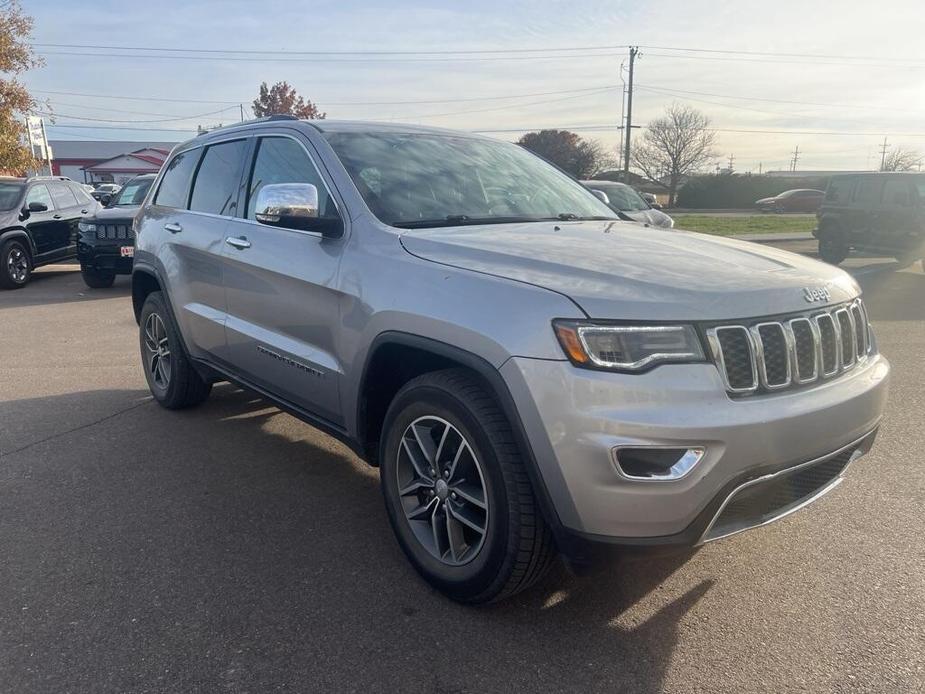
<point x="575" y="418"/>
<point x="104" y="254"/>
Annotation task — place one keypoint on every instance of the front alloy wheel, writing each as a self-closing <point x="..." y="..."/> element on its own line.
<point x="157" y="346"/>
<point x="442" y="490"/>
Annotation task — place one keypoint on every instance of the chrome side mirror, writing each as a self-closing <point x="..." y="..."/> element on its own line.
<point x="279" y="203"/>
<point x="601" y="195"/>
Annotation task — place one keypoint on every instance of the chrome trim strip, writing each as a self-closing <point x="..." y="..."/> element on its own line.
<point x="717" y="349"/>
<point x="817" y="319"/>
<point x="817" y="356"/>
<point x="758" y="341"/>
<point x="845" y="362"/>
<point x="687" y="462"/>
<point x="786" y="471"/>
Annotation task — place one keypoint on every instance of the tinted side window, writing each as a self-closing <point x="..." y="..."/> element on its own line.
<point x="39" y="194"/>
<point x="282" y="160"/>
<point x="839" y="189"/>
<point x="868" y="192"/>
<point x="215" y="189"/>
<point x="896" y="193"/>
<point x="82" y="196"/>
<point x="174" y="189"/>
<point x="62" y="195"/>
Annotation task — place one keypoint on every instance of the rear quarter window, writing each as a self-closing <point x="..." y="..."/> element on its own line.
<point x="174" y="188"/>
<point x="839" y="189"/>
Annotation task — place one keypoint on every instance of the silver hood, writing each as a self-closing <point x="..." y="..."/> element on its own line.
<point x="624" y="270"/>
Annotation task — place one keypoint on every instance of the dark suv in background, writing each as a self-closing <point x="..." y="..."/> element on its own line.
<point x="107" y="242"/>
<point x="881" y="213"/>
<point x="38" y="224"/>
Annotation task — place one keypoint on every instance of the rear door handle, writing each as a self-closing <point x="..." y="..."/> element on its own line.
<point x="173" y="228"/>
<point x="56" y="216"/>
<point x="83" y="212"/>
<point x="239" y="242"/>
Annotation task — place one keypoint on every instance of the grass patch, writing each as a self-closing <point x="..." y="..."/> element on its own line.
<point x="748" y="224"/>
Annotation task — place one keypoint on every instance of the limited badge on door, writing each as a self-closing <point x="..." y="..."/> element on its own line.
<point x="127" y="251"/>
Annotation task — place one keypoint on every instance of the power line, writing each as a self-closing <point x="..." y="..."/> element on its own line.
<point x="341" y="103"/>
<point x="507" y="106"/>
<point x="780" y="101"/>
<point x="116" y="120"/>
<point x="161" y="49"/>
<point x="892" y="66"/>
<point x="480" y="51"/>
<point x="321" y="59"/>
<point x="778" y="54"/>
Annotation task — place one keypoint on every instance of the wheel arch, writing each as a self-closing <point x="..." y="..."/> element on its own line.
<point x="19" y="232"/>
<point x="389" y="365"/>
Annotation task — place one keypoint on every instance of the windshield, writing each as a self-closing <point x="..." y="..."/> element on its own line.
<point x="442" y="180"/>
<point x="622" y="197"/>
<point x="9" y="194"/>
<point x="133" y="193"/>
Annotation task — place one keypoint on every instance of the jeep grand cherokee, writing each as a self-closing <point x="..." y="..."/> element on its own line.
<point x="531" y="374"/>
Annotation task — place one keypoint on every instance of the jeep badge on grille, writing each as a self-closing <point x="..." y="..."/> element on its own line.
<point x="813" y="294"/>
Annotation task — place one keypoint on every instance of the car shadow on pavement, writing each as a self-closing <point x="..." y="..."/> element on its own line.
<point x="55" y="285"/>
<point x="233" y="547"/>
<point x="894" y="296"/>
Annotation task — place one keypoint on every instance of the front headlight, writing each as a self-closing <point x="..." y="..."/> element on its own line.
<point x="627" y="347"/>
<point x="84" y="226"/>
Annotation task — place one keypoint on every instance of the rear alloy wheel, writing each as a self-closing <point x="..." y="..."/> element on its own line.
<point x="98" y="279"/>
<point x="173" y="381"/>
<point x="15" y="264"/>
<point x="457" y="491"/>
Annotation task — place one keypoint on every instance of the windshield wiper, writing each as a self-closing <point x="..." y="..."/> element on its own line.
<point x="453" y="220"/>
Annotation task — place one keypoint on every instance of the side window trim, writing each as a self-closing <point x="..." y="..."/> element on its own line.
<point x="321" y="171"/>
<point x="242" y="167"/>
<point x="163" y="173"/>
<point x="51" y="203"/>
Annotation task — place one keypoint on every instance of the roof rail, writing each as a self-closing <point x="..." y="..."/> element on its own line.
<point x="48" y="178"/>
<point x="265" y="119"/>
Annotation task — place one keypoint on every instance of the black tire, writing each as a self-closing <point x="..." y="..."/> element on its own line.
<point x="518" y="548"/>
<point x="15" y="264"/>
<point x="832" y="251"/>
<point x="183" y="387"/>
<point x="98" y="279"/>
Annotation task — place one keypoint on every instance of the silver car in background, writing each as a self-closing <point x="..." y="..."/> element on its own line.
<point x="533" y="375"/>
<point x="626" y="200"/>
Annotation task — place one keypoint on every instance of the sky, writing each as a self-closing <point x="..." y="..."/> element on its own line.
<point x="557" y="65"/>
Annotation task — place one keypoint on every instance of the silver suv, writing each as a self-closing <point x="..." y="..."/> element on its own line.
<point x="533" y="376"/>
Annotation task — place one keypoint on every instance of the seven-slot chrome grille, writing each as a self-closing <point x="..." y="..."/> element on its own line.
<point x="771" y="355"/>
<point x="114" y="231"/>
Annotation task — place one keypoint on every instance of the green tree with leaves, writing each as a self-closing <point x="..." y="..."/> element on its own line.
<point x="16" y="57"/>
<point x="282" y="98"/>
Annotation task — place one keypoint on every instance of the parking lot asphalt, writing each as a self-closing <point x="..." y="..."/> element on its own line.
<point x="232" y="548"/>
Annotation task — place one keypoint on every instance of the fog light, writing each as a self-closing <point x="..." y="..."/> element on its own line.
<point x="656" y="463"/>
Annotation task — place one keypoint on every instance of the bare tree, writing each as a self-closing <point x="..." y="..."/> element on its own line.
<point x="899" y="159"/>
<point x="673" y="146"/>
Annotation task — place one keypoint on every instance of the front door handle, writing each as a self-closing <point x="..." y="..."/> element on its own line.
<point x="173" y="228"/>
<point x="239" y="242"/>
<point x="56" y="216"/>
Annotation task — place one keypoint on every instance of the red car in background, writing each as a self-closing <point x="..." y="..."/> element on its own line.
<point x="798" y="200"/>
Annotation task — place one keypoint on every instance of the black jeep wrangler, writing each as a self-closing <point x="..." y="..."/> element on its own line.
<point x="880" y="213"/>
<point x="107" y="242"/>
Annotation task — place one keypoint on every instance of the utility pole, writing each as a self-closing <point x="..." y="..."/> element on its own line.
<point x="759" y="167"/>
<point x="241" y="106"/>
<point x="796" y="158"/>
<point x="883" y="149"/>
<point x="732" y="159"/>
<point x="634" y="50"/>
